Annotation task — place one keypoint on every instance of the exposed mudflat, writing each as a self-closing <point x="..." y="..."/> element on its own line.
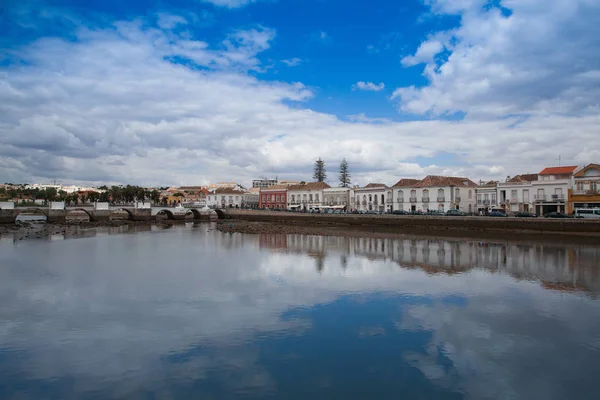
<point x="457" y="232"/>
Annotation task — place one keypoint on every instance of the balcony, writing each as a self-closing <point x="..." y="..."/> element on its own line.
<point x="389" y="201"/>
<point x="441" y="199"/>
<point x="425" y="199"/>
<point x="413" y="199"/>
<point x="549" y="198"/>
<point x="457" y="199"/>
<point x="401" y="200"/>
<point x="486" y="202"/>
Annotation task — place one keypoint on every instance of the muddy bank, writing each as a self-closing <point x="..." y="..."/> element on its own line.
<point x="457" y="232"/>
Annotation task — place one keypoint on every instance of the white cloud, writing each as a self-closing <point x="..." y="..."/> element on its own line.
<point x="524" y="59"/>
<point x="114" y="106"/>
<point x="292" y="62"/>
<point x="229" y="3"/>
<point x="368" y="86"/>
<point x="169" y="21"/>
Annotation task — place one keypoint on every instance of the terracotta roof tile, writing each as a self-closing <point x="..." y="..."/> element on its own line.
<point x="376" y="185"/>
<point x="310" y="186"/>
<point x="406" y="182"/>
<point x="524" y="178"/>
<point x="432" y="180"/>
<point x="558" y="170"/>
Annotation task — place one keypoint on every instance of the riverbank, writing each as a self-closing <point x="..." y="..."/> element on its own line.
<point x="385" y="231"/>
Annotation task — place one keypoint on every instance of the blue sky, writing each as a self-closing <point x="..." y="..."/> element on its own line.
<point x="100" y="91"/>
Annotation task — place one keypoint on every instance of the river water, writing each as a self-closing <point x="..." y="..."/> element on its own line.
<point x="192" y="313"/>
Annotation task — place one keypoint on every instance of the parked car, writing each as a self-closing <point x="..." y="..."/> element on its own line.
<point x="455" y="213"/>
<point x="435" y="212"/>
<point x="556" y="214"/>
<point x="525" y="214"/>
<point x="400" y="212"/>
<point x="416" y="213"/>
<point x="497" y="214"/>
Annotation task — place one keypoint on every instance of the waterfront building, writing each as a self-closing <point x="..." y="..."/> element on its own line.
<point x="517" y="194"/>
<point x="585" y="192"/>
<point x="338" y="198"/>
<point x="250" y="198"/>
<point x="306" y="196"/>
<point x="487" y="196"/>
<point x="550" y="190"/>
<point x="372" y="197"/>
<point x="401" y="193"/>
<point x="225" y="197"/>
<point x="440" y="193"/>
<point x="273" y="197"/>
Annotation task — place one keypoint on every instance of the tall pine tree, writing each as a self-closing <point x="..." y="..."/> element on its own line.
<point x="320" y="175"/>
<point x="344" y="174"/>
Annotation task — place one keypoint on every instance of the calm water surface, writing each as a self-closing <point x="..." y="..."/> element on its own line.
<point x="192" y="313"/>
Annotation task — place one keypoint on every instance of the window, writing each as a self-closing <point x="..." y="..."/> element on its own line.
<point x="316" y="198"/>
<point x="426" y="194"/>
<point x="594" y="186"/>
<point x="272" y="197"/>
<point x="526" y="195"/>
<point x="513" y="195"/>
<point x="264" y="198"/>
<point x="310" y="198"/>
<point x="470" y="195"/>
<point x="400" y="196"/>
<point x="579" y="185"/>
<point x="277" y="198"/>
<point x="382" y="199"/>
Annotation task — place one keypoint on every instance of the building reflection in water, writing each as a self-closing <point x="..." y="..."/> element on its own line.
<point x="560" y="267"/>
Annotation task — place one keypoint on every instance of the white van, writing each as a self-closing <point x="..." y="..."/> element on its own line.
<point x="587" y="213"/>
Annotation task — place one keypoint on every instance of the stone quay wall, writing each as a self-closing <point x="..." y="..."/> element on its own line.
<point x="410" y="224"/>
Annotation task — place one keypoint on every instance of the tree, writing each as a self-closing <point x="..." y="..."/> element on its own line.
<point x="344" y="174"/>
<point x="320" y="175"/>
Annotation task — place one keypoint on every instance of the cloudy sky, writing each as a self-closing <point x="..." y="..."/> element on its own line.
<point x="190" y="91"/>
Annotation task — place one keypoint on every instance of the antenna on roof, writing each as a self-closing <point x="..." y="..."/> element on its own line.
<point x="559" y="160"/>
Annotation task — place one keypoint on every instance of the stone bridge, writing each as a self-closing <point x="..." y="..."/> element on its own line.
<point x="57" y="212"/>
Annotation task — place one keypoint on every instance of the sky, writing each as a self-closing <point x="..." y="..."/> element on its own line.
<point x="187" y="92"/>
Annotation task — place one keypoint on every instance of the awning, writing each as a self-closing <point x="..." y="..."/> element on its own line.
<point x="334" y="207"/>
<point x="295" y="206"/>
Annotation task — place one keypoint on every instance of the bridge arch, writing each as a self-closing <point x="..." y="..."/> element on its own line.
<point x="194" y="212"/>
<point x="32" y="210"/>
<point x="129" y="213"/>
<point x="81" y="209"/>
<point x="167" y="212"/>
<point x="220" y="213"/>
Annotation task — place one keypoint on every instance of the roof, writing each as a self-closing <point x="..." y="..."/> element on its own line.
<point x="375" y="185"/>
<point x="558" y="170"/>
<point x="274" y="188"/>
<point x="433" y="180"/>
<point x="589" y="166"/>
<point x="227" y="190"/>
<point x="310" y="186"/>
<point x="489" y="184"/>
<point x="524" y="178"/>
<point x="406" y="182"/>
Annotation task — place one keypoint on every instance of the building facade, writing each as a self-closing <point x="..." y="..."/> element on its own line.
<point x="250" y="198"/>
<point x="372" y="197"/>
<point x="551" y="189"/>
<point x="439" y="193"/>
<point x="585" y="192"/>
<point x="225" y="198"/>
<point x="487" y="197"/>
<point x="306" y="197"/>
<point x="517" y="194"/>
<point x="263" y="183"/>
<point x="338" y="198"/>
<point x="273" y="197"/>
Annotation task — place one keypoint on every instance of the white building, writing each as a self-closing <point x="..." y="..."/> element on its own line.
<point x="517" y="194"/>
<point x="487" y="197"/>
<point x="552" y="188"/>
<point x="225" y="198"/>
<point x="338" y="198"/>
<point x="250" y="198"/>
<point x="373" y="197"/>
<point x="306" y="197"/>
<point x="401" y="193"/>
<point x="440" y="193"/>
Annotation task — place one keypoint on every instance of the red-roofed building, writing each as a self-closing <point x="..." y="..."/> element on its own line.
<point x="373" y="197"/>
<point x="551" y="189"/>
<point x="558" y="172"/>
<point x="433" y="192"/>
<point x="585" y="192"/>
